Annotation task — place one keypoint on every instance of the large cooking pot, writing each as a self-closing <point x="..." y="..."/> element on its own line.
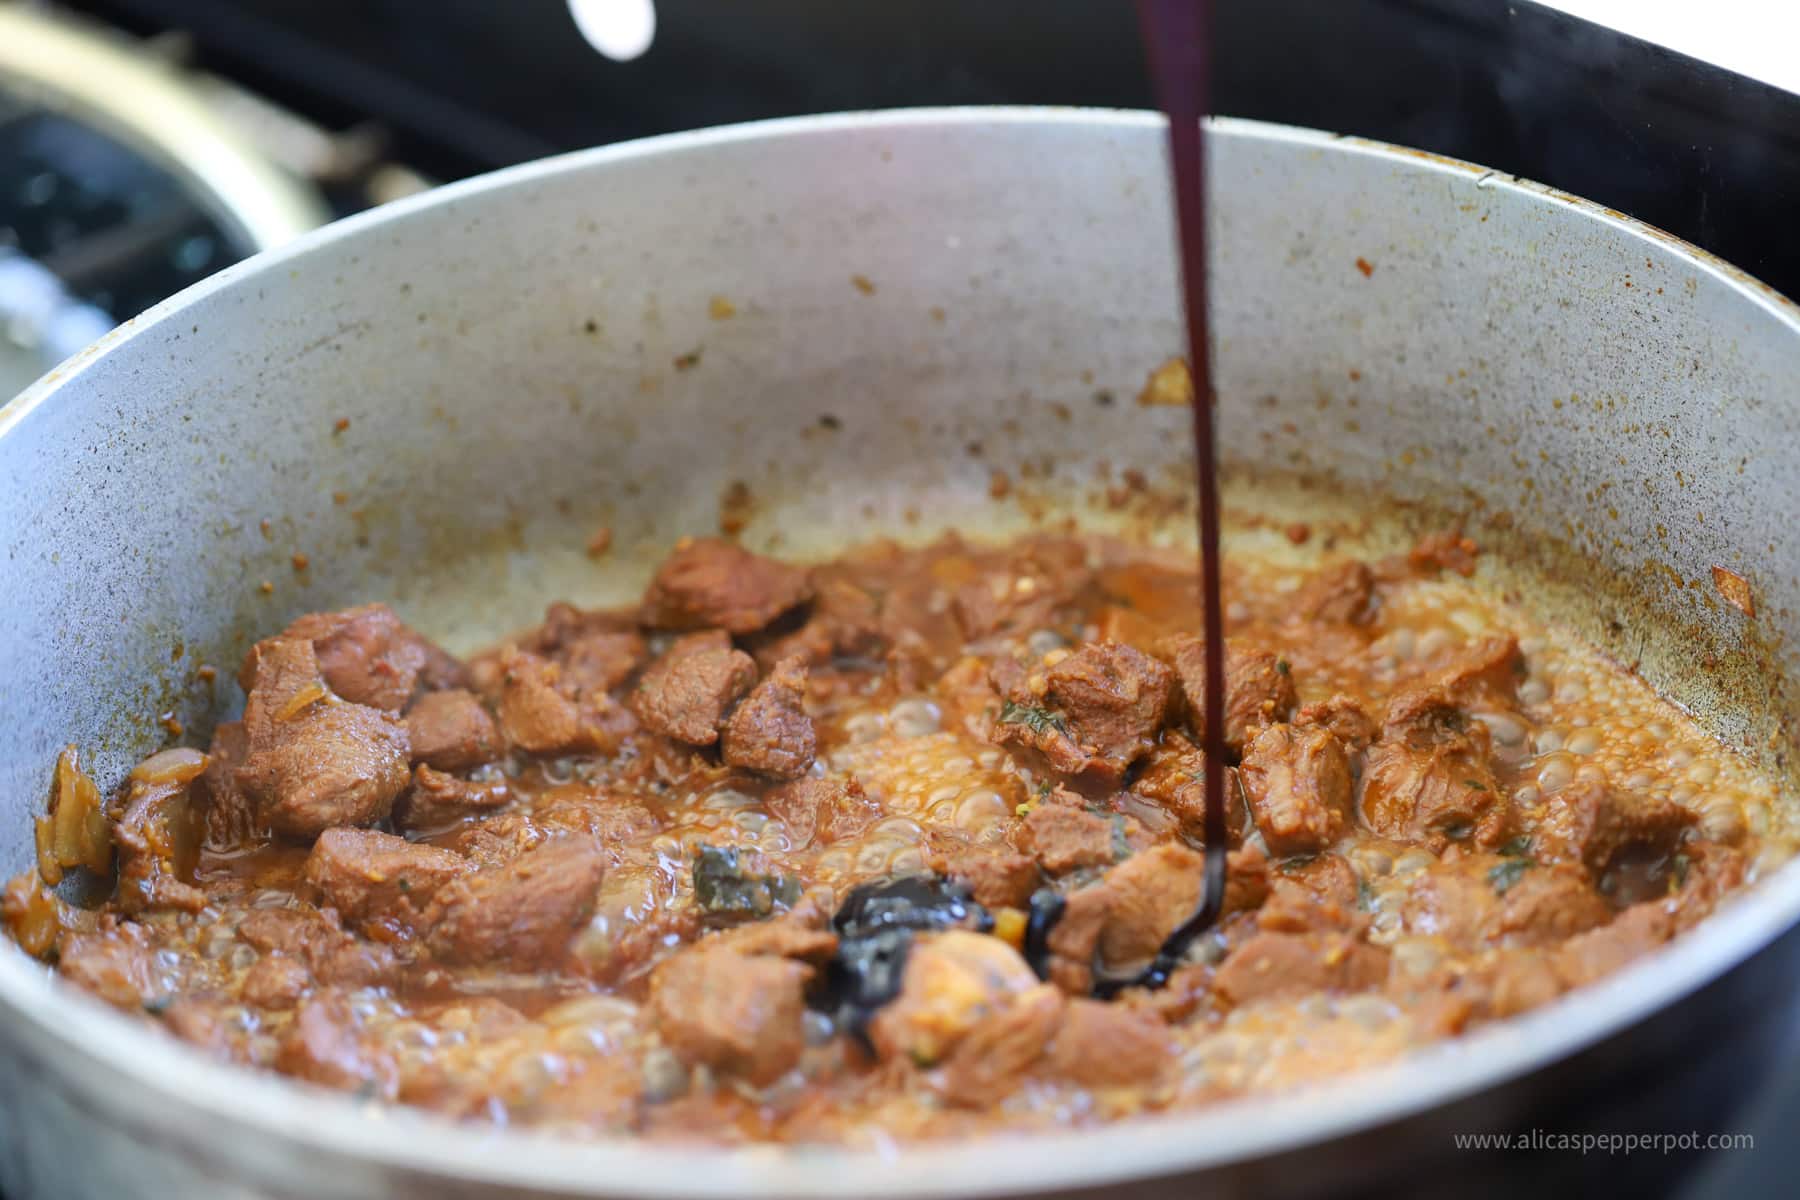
<point x="437" y="402"/>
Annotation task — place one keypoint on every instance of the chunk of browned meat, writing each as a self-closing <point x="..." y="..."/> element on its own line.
<point x="1480" y="899"/>
<point x="379" y="883"/>
<point x="1258" y="690"/>
<point x="202" y="1022"/>
<point x="1341" y="716"/>
<point x="769" y="732"/>
<point x="738" y="1014"/>
<point x="1343" y="594"/>
<point x="535" y="715"/>
<point x="1451" y="900"/>
<point x="1295" y="908"/>
<point x="1091" y="715"/>
<point x="437" y="799"/>
<point x="116" y="963"/>
<point x="1588" y="957"/>
<point x="276" y="981"/>
<point x="1109" y="1045"/>
<point x="991" y="1060"/>
<point x="952" y="981"/>
<point x="1429" y="779"/>
<point x="1591" y="823"/>
<point x="1124" y="919"/>
<point x="822" y="810"/>
<point x="1330" y="877"/>
<point x="325" y="1044"/>
<point x="1173" y="777"/>
<point x="1113" y="696"/>
<point x="366" y="654"/>
<point x="1546" y="905"/>
<point x="295" y="931"/>
<point x="564" y="625"/>
<point x="314" y="761"/>
<point x="1509" y="982"/>
<point x="1065" y="837"/>
<point x="1298" y="784"/>
<point x="227" y="814"/>
<point x="1294" y="964"/>
<point x="599" y="662"/>
<point x="687" y="692"/>
<point x="1153" y="893"/>
<point x="712" y="584"/>
<point x="158" y="838"/>
<point x="333" y="956"/>
<point x="1483" y="675"/>
<point x="442" y="669"/>
<point x="451" y="730"/>
<point x="844" y="622"/>
<point x="996" y="880"/>
<point x="521" y="913"/>
<point x="281" y="680"/>
<point x="996" y="604"/>
<point x="336" y="764"/>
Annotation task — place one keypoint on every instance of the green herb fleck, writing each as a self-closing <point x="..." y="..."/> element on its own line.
<point x="405" y="885"/>
<point x="1518" y="847"/>
<point x="723" y="887"/>
<point x="1502" y="877"/>
<point x="1475" y="785"/>
<point x="1038" y="720"/>
<point x="1281" y="664"/>
<point x="1365" y="895"/>
<point x="1295" y="862"/>
<point x="156" y="1006"/>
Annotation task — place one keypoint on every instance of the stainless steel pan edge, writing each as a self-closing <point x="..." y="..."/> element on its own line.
<point x="412" y="305"/>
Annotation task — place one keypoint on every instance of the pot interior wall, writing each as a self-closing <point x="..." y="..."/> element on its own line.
<point x="860" y="322"/>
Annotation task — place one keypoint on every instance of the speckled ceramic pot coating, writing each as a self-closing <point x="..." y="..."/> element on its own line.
<point x="437" y="402"/>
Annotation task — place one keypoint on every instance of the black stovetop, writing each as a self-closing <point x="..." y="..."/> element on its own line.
<point x="1706" y="155"/>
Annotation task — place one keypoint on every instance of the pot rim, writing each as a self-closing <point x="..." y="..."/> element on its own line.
<point x="307" y="1122"/>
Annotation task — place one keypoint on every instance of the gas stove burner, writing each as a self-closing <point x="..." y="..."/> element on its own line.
<point x="119" y="185"/>
<point x="115" y="229"/>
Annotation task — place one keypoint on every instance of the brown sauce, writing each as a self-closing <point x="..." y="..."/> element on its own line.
<point x="585" y="922"/>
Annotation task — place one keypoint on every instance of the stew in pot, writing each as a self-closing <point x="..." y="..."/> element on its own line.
<point x="852" y="851"/>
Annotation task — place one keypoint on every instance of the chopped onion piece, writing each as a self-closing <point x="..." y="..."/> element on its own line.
<point x="48" y="868"/>
<point x="179" y="765"/>
<point x="300" y="701"/>
<point x="80" y="834"/>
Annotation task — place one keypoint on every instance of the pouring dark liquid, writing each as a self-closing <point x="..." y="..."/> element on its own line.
<point x="1176" y="44"/>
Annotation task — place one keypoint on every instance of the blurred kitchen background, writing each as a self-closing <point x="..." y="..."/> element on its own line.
<point x="145" y="144"/>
